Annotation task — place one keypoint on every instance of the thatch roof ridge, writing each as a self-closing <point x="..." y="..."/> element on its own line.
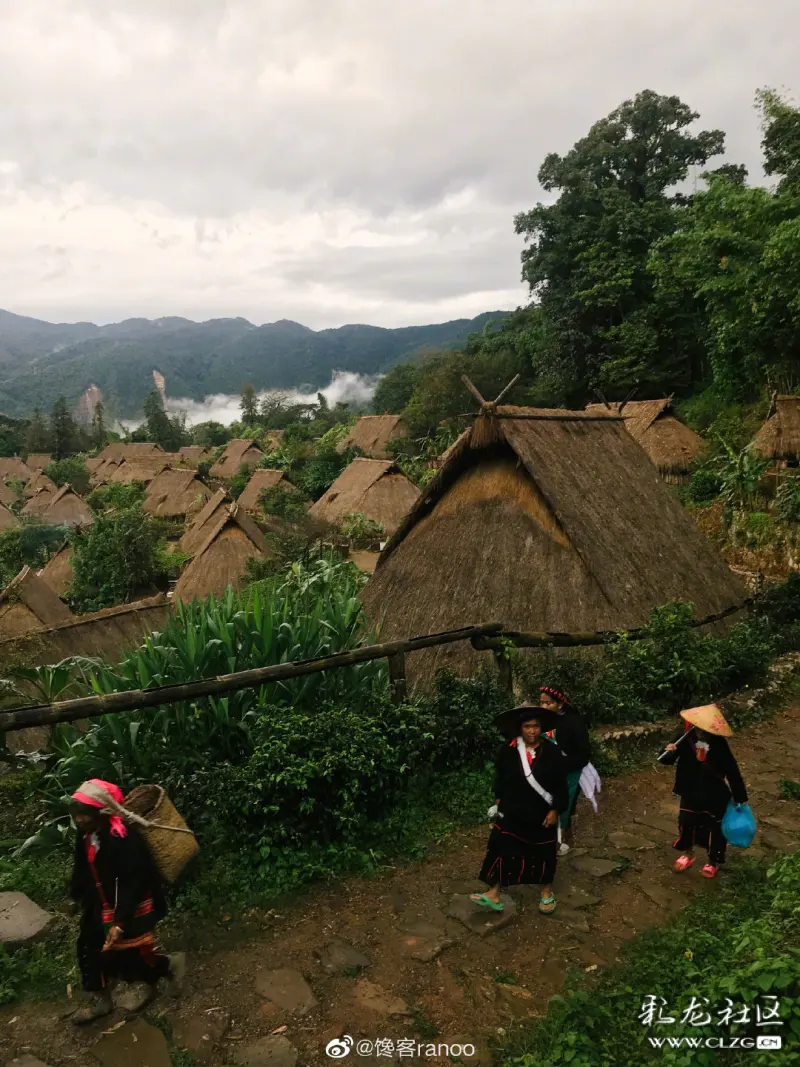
<point x="175" y="491"/>
<point x="137" y="470"/>
<point x="80" y="515"/>
<point x="38" y="503"/>
<point x="39" y="481"/>
<point x="188" y="543"/>
<point x="361" y="488"/>
<point x="12" y="467"/>
<point x="670" y="443"/>
<point x="37" y="596"/>
<point x="779" y="436"/>
<point x="37" y="461"/>
<point x="228" y="464"/>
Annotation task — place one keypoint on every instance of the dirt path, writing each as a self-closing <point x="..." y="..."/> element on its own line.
<point x="471" y="989"/>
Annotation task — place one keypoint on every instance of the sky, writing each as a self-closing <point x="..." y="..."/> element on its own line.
<point x="328" y="161"/>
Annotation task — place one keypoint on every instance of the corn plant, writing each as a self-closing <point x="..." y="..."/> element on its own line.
<point x="309" y="612"/>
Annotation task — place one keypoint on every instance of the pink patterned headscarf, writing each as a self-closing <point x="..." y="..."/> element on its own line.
<point x="118" y="828"/>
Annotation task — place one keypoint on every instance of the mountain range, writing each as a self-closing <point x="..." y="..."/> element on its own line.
<point x="40" y="361"/>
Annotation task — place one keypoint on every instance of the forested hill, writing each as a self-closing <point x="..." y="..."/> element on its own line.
<point x="40" y="361"/>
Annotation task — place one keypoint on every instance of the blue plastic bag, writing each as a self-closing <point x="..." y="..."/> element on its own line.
<point x="738" y="825"/>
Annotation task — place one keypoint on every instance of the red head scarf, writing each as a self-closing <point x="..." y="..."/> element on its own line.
<point x="118" y="827"/>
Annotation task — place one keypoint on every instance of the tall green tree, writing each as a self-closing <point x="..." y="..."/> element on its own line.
<point x="63" y="430"/>
<point x="99" y="432"/>
<point x="780" y="124"/>
<point x="586" y="255"/>
<point x="160" y="428"/>
<point x="248" y="405"/>
<point x="37" y="434"/>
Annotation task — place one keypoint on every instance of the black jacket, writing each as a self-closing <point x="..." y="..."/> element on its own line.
<point x="127" y="873"/>
<point x="572" y="737"/>
<point x="708" y="785"/>
<point x="518" y="801"/>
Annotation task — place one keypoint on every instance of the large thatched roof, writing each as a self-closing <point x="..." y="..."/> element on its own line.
<point x="237" y="454"/>
<point x="543" y="521"/>
<point x="372" y="433"/>
<point x="193" y="455"/>
<point x="137" y="470"/>
<point x="261" y="480"/>
<point x="196" y="533"/>
<point x="38" y="503"/>
<point x="57" y="572"/>
<point x="39" y="482"/>
<point x="232" y="538"/>
<point x="671" y="445"/>
<point x="27" y="603"/>
<point x="374" y="488"/>
<point x="12" y="468"/>
<point x="779" y="437"/>
<point x="175" y="493"/>
<point x="120" y="450"/>
<point x="37" y="461"/>
<point x="8" y="520"/>
<point x="67" y="509"/>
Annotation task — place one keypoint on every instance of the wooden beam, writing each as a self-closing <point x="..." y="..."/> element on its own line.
<point x="485" y="643"/>
<point x="508" y="388"/>
<point x="473" y="390"/>
<point x="136" y="699"/>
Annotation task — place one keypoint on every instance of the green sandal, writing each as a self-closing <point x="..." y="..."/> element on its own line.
<point x="547" y="906"/>
<point x="486" y="902"/>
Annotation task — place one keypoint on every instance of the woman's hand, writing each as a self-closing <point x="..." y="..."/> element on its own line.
<point x="114" y="935"/>
<point x="551" y="818"/>
<point x="672" y="748"/>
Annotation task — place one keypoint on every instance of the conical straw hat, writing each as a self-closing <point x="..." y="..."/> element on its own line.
<point x="708" y="718"/>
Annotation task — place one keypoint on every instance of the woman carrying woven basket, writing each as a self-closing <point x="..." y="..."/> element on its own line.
<point x="117" y="885"/>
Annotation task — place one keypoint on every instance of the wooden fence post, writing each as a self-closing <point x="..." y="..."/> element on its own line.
<point x="397" y="677"/>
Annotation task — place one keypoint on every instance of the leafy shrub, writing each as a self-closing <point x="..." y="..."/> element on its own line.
<point x="703" y="487"/>
<point x="740" y="474"/>
<point x="119" y="556"/>
<point x="116" y="497"/>
<point x="362" y="532"/>
<point x="72" y="471"/>
<point x="238" y="483"/>
<point x="33" y="544"/>
<point x="787" y="499"/>
<point x="282" y="503"/>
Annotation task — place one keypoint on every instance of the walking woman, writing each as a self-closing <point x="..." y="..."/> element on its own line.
<point x="530" y="787"/>
<point x="707" y="776"/>
<point x="572" y="737"/>
<point x="117" y="886"/>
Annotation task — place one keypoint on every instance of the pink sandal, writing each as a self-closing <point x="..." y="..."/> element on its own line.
<point x="709" y="871"/>
<point x="683" y="863"/>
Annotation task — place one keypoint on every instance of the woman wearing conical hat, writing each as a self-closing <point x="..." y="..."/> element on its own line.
<point x="707" y="776"/>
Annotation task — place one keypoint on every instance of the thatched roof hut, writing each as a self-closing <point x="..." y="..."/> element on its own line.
<point x="196" y="533"/>
<point x="671" y="445"/>
<point x="261" y="480"/>
<point x="544" y="521"/>
<point x="13" y="469"/>
<point x="38" y="503"/>
<point x="374" y="488"/>
<point x="193" y="455"/>
<point x="120" y="450"/>
<point x="779" y="438"/>
<point x="372" y="433"/>
<point x="57" y="572"/>
<point x="8" y="520"/>
<point x="220" y="560"/>
<point x="67" y="509"/>
<point x="175" y="494"/>
<point x="7" y="497"/>
<point x="137" y="470"/>
<point x="27" y="603"/>
<point x="37" y="461"/>
<point x="39" y="482"/>
<point x="238" y="453"/>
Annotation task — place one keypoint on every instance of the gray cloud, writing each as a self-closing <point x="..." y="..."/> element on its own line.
<point x="282" y="157"/>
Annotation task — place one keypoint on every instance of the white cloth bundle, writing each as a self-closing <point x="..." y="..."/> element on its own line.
<point x="590" y="784"/>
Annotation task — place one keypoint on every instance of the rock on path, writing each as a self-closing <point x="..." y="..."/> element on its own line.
<point x="136" y="1044"/>
<point x="21" y="921"/>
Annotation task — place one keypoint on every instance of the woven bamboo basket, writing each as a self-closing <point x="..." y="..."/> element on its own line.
<point x="171" y="850"/>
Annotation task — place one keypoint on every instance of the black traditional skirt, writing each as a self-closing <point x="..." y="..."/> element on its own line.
<point x="520" y="856"/>
<point x="704" y="829"/>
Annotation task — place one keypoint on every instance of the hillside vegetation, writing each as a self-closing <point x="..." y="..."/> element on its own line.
<point x="40" y="361"/>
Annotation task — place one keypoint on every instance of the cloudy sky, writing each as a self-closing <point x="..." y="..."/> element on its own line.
<point x="328" y="161"/>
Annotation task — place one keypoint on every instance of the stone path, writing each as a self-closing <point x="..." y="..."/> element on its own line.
<point x="407" y="955"/>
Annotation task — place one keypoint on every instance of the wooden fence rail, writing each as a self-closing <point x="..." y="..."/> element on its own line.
<point x="487" y="636"/>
